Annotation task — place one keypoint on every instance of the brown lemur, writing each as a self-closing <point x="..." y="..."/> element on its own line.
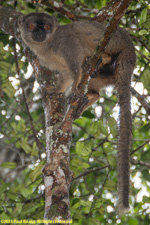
<point x="64" y="48"/>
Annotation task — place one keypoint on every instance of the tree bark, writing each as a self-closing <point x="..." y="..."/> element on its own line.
<point x="57" y="174"/>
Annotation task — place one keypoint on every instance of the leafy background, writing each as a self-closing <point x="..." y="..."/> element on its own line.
<point x="93" y="192"/>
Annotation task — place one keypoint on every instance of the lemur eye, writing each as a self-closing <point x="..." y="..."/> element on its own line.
<point x="31" y="26"/>
<point x="47" y="27"/>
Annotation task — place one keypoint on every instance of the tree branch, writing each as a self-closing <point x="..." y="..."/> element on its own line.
<point x="141" y="99"/>
<point x="139" y="162"/>
<point x="92" y="63"/>
<point x="140" y="146"/>
<point x="90" y="171"/>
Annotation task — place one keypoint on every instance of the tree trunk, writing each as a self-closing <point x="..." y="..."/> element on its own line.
<point x="57" y="174"/>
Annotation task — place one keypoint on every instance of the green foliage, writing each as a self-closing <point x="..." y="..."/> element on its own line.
<point x="145" y="78"/>
<point x="37" y="171"/>
<point x="10" y="165"/>
<point x="113" y="126"/>
<point x="94" y="142"/>
<point x="143" y="16"/>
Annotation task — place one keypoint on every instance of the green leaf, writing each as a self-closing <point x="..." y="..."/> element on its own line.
<point x="145" y="155"/>
<point x="21" y="64"/>
<point x="98" y="203"/>
<point x="83" y="149"/>
<point x="112" y="160"/>
<point x="79" y="147"/>
<point x="146" y="79"/>
<point x="142" y="32"/>
<point x="18" y="207"/>
<point x="3" y="188"/>
<point x="145" y="127"/>
<point x="13" y="125"/>
<point x="4" y="38"/>
<point x="102" y="128"/>
<point x="77" y="165"/>
<point x="143" y="16"/>
<point x="25" y="146"/>
<point x="5" y="66"/>
<point x="88" y="114"/>
<point x="17" y="188"/>
<point x="146" y="199"/>
<point x="8" y="88"/>
<point x="4" y="216"/>
<point x="75" y="162"/>
<point x="133" y="221"/>
<point x="2" y="51"/>
<point x="147" y="24"/>
<point x="20" y="126"/>
<point x="25" y="192"/>
<point x="97" y="153"/>
<point x="37" y="171"/>
<point x="84" y="165"/>
<point x="87" y="206"/>
<point x="99" y="4"/>
<point x="10" y="165"/>
<point x="145" y="174"/>
<point x="34" y="151"/>
<point x="76" y="205"/>
<point x="113" y="126"/>
<point x="7" y="141"/>
<point x="12" y="196"/>
<point x="110" y="185"/>
<point x="87" y="149"/>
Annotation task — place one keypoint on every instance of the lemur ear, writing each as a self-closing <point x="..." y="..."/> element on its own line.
<point x="54" y="20"/>
<point x="20" y="20"/>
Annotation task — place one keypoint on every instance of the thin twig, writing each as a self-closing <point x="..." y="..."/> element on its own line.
<point x="90" y="171"/>
<point x="25" y="101"/>
<point x="141" y="99"/>
<point x="99" y="194"/>
<point x="140" y="146"/>
<point x="144" y="56"/>
<point x="139" y="162"/>
<point x="1" y="126"/>
<point x="59" y="7"/>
